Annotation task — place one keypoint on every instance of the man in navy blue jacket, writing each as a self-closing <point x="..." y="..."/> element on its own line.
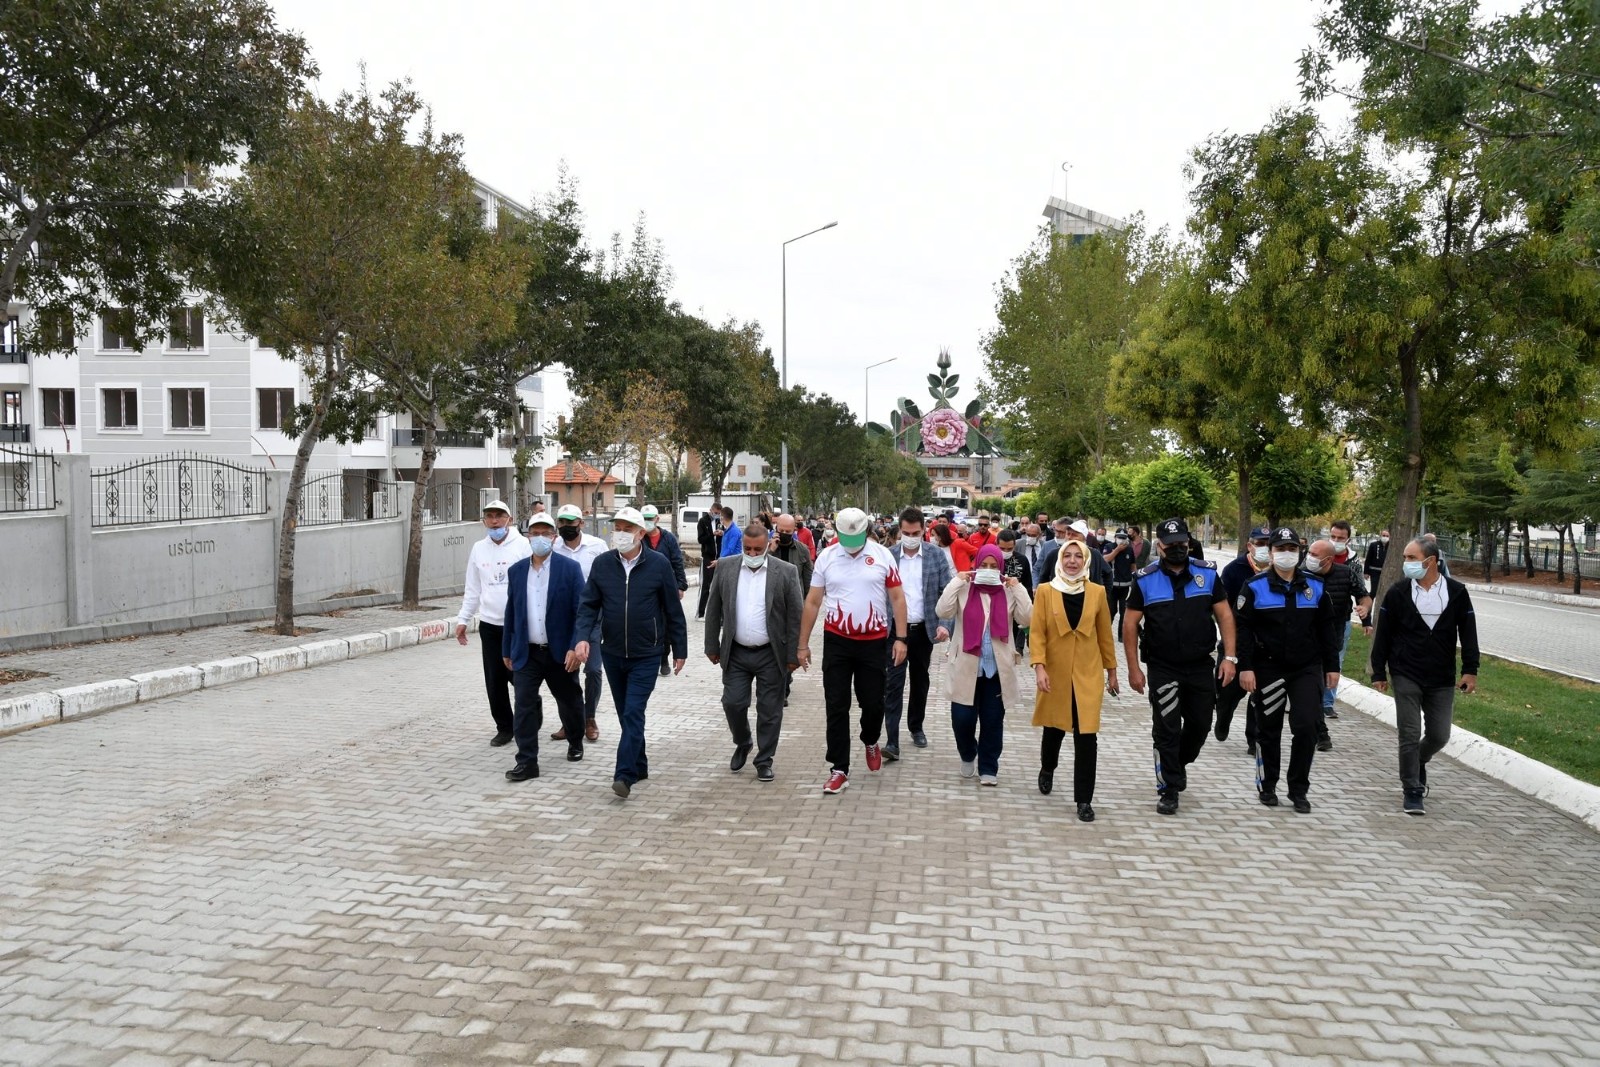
<point x="665" y="542"/>
<point x="543" y="595"/>
<point x="634" y="595"/>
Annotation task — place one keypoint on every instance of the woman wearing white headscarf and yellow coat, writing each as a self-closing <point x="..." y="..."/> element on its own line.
<point x="1071" y="642"/>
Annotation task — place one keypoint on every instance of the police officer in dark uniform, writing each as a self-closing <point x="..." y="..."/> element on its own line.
<point x="1256" y="557"/>
<point x="1182" y="604"/>
<point x="1288" y="651"/>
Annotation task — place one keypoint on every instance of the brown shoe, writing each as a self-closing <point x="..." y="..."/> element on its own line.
<point x="559" y="735"/>
<point x="591" y="731"/>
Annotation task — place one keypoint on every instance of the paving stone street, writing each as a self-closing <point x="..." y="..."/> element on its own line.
<point x="327" y="867"/>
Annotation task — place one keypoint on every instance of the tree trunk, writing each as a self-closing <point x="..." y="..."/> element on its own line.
<point x="1577" y="562"/>
<point x="1486" y="543"/>
<point x="410" y="595"/>
<point x="283" y="593"/>
<point x="1505" y="547"/>
<point x="1244" y="503"/>
<point x="1527" y="547"/>
<point x="1561" y="553"/>
<point x="1404" y="527"/>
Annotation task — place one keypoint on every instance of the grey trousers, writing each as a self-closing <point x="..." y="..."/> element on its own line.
<point x="759" y="665"/>
<point x="1423" y="718"/>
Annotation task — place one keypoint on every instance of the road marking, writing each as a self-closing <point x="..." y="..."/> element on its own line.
<point x="1536" y="606"/>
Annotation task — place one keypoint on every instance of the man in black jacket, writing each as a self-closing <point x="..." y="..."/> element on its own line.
<point x="633" y="594"/>
<point x="1421" y="621"/>
<point x="1349" y="596"/>
<point x="705" y="533"/>
<point x="665" y="542"/>
<point x="1377" y="555"/>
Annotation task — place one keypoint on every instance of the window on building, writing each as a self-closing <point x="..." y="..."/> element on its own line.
<point x="10" y="408"/>
<point x="187" y="177"/>
<point x="273" y="407"/>
<point x="186" y="329"/>
<point x="370" y="431"/>
<point x="116" y="330"/>
<point x="740" y="471"/>
<point x="187" y="408"/>
<point x="60" y="407"/>
<point x="55" y="331"/>
<point x="119" y="409"/>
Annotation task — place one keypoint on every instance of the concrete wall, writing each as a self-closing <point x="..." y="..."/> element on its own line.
<point x="33" y="561"/>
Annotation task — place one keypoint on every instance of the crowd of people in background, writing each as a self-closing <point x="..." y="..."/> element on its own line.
<point x="996" y="595"/>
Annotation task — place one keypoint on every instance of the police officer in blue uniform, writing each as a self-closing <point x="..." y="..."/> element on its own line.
<point x="1178" y="604"/>
<point x="1288" y="652"/>
<point x="1255" y="558"/>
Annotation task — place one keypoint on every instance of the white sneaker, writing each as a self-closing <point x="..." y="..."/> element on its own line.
<point x="968" y="770"/>
<point x="988" y="779"/>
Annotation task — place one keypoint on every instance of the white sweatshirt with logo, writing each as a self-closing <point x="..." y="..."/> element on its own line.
<point x="486" y="578"/>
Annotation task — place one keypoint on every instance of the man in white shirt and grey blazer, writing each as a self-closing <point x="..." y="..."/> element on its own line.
<point x="753" y="632"/>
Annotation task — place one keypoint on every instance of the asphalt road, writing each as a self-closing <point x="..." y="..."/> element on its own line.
<point x="1553" y="636"/>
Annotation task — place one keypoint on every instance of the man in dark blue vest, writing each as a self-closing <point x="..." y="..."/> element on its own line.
<point x="1181" y="604"/>
<point x="543" y="593"/>
<point x="1288" y="652"/>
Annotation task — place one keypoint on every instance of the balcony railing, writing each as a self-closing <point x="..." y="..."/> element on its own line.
<point x="411" y="437"/>
<point x="19" y="433"/>
<point x="13" y="354"/>
<point x="509" y="440"/>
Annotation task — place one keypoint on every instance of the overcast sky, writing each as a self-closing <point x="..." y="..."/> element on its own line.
<point x="932" y="132"/>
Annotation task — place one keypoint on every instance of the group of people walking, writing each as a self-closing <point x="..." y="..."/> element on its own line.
<point x="1269" y="630"/>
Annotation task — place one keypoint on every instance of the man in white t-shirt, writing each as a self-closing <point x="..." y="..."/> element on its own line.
<point x="585" y="548"/>
<point x="850" y="585"/>
<point x="485" y="597"/>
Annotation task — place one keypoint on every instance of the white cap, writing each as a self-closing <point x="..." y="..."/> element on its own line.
<point x="851" y="526"/>
<point x="543" y="518"/>
<point x="1080" y="528"/>
<point x="500" y="504"/>
<point x="649" y="514"/>
<point x="570" y="511"/>
<point x="629" y="515"/>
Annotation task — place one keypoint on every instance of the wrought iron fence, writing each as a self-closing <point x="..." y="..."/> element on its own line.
<point x="441" y="503"/>
<point x="27" y="480"/>
<point x="177" y="488"/>
<point x="348" y="496"/>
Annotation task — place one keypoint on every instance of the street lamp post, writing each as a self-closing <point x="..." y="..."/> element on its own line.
<point x="783" y="491"/>
<point x="866" y="416"/>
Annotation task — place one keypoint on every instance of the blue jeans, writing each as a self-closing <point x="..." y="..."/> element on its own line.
<point x="979" y="726"/>
<point x="632" y="681"/>
<point x="1344" y="643"/>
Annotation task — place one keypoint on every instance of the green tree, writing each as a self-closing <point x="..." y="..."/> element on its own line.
<point x="1481" y="493"/>
<point x="1565" y="494"/>
<point x="104" y="103"/>
<point x="1110" y="495"/>
<point x="827" y="448"/>
<point x="728" y="382"/>
<point x="1299" y="475"/>
<point x="1173" y="486"/>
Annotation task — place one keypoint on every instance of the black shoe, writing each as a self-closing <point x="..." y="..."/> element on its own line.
<point x="1325" y="745"/>
<point x="1047" y="781"/>
<point x="1413" y="804"/>
<point x="1269" y="799"/>
<point x="522" y="772"/>
<point x="1168" y="804"/>
<point x="919" y="739"/>
<point x="499" y="740"/>
<point x="574" y="755"/>
<point x="1220" y="731"/>
<point x="740" y="754"/>
<point x="764" y="773"/>
<point x="621" y="788"/>
<point x="1085" y="813"/>
<point x="891" y="753"/>
<point x="1301" y="805"/>
<point x="1250" y="748"/>
<point x="1330" y="713"/>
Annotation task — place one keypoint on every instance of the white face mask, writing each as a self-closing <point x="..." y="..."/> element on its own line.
<point x="1314" y="565"/>
<point x="1341" y="547"/>
<point x="1415" y="569"/>
<point x="1007" y="553"/>
<point x="910" y="542"/>
<point x="1285" y="561"/>
<point x="755" y="563"/>
<point x="541" y="545"/>
<point x="623" y="540"/>
<point x="986" y="576"/>
<point x="1261" y="554"/>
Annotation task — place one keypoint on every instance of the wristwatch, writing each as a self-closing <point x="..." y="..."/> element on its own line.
<point x="1232" y="659"/>
<point x="901" y="639"/>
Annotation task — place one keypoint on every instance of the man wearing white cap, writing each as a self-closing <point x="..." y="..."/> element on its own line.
<point x="543" y="595"/>
<point x="485" y="597"/>
<point x="632" y="596"/>
<point x="1078" y="530"/>
<point x="665" y="542"/>
<point x="584" y="548"/>
<point x="850" y="585"/>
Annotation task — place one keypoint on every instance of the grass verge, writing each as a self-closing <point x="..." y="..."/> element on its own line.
<point x="1545" y="716"/>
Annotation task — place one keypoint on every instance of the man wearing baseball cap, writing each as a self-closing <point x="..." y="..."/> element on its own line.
<point x="540" y="635"/>
<point x="665" y="542"/>
<point x="1288" y="651"/>
<point x="485" y="597"/>
<point x="632" y="596"/>
<point x="850" y="586"/>
<point x="584" y="548"/>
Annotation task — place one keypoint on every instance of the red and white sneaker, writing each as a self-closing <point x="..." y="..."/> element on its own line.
<point x="874" y="757"/>
<point x="836" y="783"/>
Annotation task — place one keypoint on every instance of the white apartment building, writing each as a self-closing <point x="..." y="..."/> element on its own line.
<point x="206" y="390"/>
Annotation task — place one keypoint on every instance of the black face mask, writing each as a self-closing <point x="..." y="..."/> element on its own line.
<point x="1175" y="554"/>
<point x="786" y="539"/>
<point x="570" y="533"/>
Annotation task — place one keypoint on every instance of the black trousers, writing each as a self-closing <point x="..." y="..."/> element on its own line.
<point x="1117" y="598"/>
<point x="1181" y="702"/>
<point x="543" y="669"/>
<point x="851" y="663"/>
<point x="1228" y="698"/>
<point x="496" y="675"/>
<point x="705" y="583"/>
<point x="1296" y="696"/>
<point x="919" y="654"/>
<point x="1085" y="757"/>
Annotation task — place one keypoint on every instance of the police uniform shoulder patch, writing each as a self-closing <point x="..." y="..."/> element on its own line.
<point x="1149" y="568"/>
<point x="1203" y="564"/>
<point x="1240" y="603"/>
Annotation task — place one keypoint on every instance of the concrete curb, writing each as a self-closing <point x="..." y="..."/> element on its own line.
<point x="1522" y="773"/>
<point x="42" y="708"/>
<point x="1592" y="603"/>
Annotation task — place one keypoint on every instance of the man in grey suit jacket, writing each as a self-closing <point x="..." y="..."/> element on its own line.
<point x="753" y="632"/>
<point x="925" y="570"/>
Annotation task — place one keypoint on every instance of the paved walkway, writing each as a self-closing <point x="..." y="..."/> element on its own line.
<point x="326" y="867"/>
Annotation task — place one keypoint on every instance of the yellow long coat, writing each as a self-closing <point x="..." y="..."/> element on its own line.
<point x="1076" y="658"/>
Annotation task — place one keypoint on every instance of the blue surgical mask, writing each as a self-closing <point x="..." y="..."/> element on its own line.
<point x="1414" y="569"/>
<point x="498" y="535"/>
<point x="541" y="545"/>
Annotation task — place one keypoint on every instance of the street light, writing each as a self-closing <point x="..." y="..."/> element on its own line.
<point x="866" y="409"/>
<point x="783" y="504"/>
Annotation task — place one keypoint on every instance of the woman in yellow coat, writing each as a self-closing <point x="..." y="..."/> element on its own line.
<point x="1071" y="642"/>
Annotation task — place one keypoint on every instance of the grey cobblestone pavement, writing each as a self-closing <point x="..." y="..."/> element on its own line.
<point x="327" y="867"/>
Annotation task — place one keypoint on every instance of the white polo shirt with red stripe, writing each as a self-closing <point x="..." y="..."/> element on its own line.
<point x="855" y="600"/>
